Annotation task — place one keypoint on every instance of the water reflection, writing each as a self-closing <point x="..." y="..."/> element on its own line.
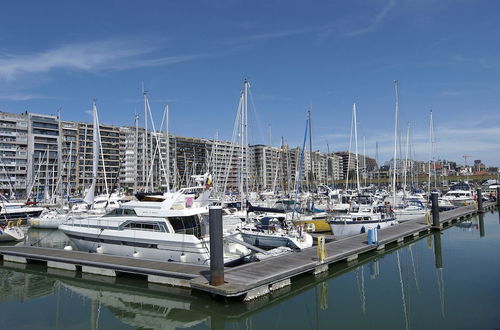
<point x="390" y="289"/>
<point x="481" y="224"/>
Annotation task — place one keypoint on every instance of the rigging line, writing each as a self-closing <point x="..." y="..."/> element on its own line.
<point x="257" y="118"/>
<point x="229" y="157"/>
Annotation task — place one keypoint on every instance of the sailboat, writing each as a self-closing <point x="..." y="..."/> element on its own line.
<point x="364" y="213"/>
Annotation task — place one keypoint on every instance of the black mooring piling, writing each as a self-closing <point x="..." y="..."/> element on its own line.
<point x="216" y="246"/>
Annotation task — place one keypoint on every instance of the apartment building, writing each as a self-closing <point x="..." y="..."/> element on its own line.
<point x="14" y="154"/>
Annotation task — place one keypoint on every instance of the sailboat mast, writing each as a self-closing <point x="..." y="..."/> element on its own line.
<point x="356" y="145"/>
<point x="68" y="187"/>
<point x="311" y="163"/>
<point x="430" y="154"/>
<point x="364" y="160"/>
<point x="136" y="156"/>
<point x="405" y="167"/>
<point x="144" y="141"/>
<point x="168" y="148"/>
<point x="394" y="161"/>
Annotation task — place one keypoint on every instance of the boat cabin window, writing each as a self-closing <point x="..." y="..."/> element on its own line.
<point x="118" y="212"/>
<point x="147" y="226"/>
<point x="186" y="225"/>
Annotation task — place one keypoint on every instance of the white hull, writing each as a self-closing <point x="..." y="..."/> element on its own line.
<point x="148" y="245"/>
<point x="47" y="221"/>
<point x="11" y="234"/>
<point x="270" y="240"/>
<point x="350" y="228"/>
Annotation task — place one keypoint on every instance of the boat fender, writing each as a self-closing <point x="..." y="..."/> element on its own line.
<point x="362" y="230"/>
<point x="378" y="226"/>
<point x="99" y="250"/>
<point x="68" y="248"/>
<point x="183" y="258"/>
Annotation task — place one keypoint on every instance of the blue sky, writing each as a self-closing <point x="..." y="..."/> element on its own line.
<point x="194" y="55"/>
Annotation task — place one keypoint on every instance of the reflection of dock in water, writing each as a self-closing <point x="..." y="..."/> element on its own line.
<point x="141" y="304"/>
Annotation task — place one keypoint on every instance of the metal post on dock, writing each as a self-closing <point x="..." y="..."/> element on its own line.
<point x="438" y="256"/>
<point x="479" y="200"/>
<point x="216" y="246"/>
<point x="435" y="210"/>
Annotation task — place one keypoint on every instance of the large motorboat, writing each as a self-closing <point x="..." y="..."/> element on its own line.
<point x="460" y="194"/>
<point x="173" y="227"/>
<point x="363" y="216"/>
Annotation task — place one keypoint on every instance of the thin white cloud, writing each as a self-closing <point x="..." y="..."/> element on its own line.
<point x="375" y="22"/>
<point x="24" y="97"/>
<point x="91" y="57"/>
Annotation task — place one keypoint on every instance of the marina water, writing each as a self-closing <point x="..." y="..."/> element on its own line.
<point x="446" y="280"/>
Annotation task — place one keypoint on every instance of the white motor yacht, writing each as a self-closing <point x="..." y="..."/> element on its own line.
<point x="360" y="218"/>
<point x="460" y="194"/>
<point x="171" y="228"/>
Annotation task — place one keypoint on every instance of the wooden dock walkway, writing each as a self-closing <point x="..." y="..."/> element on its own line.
<point x="247" y="281"/>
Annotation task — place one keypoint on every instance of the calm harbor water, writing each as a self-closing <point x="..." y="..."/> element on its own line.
<point x="446" y="280"/>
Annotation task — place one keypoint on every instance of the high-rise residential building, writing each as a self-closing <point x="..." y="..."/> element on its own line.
<point x="14" y="154"/>
<point x="43" y="156"/>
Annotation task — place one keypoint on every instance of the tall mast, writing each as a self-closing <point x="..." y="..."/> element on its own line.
<point x="405" y="166"/>
<point x="68" y="188"/>
<point x="311" y="164"/>
<point x="59" y="156"/>
<point x="378" y="165"/>
<point x="356" y="145"/>
<point x="145" y="141"/>
<point x="136" y="146"/>
<point x="364" y="159"/>
<point x="396" y="125"/>
<point x="430" y="153"/>
<point x="168" y="149"/>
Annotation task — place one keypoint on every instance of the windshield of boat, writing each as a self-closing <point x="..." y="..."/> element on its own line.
<point x="119" y="212"/>
<point x="189" y="225"/>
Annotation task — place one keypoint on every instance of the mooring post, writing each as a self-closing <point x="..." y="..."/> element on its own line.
<point x="435" y="210"/>
<point x="479" y="200"/>
<point x="438" y="256"/>
<point x="216" y="246"/>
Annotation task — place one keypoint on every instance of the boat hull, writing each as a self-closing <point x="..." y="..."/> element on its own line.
<point x="341" y="228"/>
<point x="270" y="241"/>
<point x="160" y="246"/>
<point x="11" y="234"/>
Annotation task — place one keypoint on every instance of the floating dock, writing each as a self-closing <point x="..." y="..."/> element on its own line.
<point x="248" y="281"/>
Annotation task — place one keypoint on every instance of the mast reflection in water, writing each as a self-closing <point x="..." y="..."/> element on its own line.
<point x="446" y="280"/>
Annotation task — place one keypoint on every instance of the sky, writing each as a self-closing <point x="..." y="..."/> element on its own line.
<point x="297" y="55"/>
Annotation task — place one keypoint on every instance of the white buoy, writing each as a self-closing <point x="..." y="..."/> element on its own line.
<point x="99" y="250"/>
<point x="68" y="248"/>
<point x="183" y="258"/>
